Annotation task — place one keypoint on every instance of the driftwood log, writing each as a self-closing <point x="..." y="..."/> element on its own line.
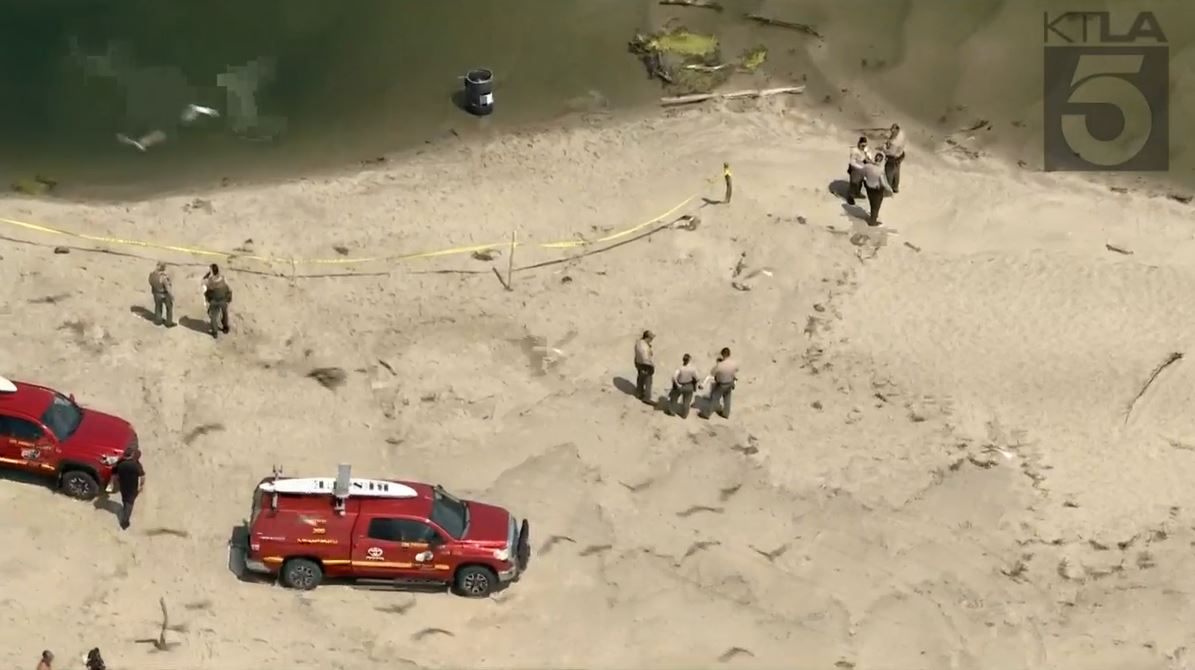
<point x="791" y="25"/>
<point x="707" y="4"/>
<point x="702" y="97"/>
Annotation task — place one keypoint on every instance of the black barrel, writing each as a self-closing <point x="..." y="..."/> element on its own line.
<point x="479" y="91"/>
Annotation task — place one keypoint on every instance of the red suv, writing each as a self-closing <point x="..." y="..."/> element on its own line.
<point x="387" y="532"/>
<point x="47" y="433"/>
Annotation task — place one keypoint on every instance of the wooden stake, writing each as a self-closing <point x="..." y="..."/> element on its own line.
<point x="510" y="264"/>
<point x="702" y="97"/>
<point x="803" y="27"/>
<point x="707" y="4"/>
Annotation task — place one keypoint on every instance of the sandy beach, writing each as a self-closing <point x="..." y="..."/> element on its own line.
<point x="931" y="462"/>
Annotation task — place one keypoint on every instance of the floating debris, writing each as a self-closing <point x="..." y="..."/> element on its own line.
<point x="753" y="58"/>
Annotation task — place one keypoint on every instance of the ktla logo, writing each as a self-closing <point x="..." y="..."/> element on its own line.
<point x="1107" y="94"/>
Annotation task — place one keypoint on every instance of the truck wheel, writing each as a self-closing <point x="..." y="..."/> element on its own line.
<point x="79" y="485"/>
<point x="475" y="581"/>
<point x="301" y="574"/>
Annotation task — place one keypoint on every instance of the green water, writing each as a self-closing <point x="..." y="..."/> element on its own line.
<point x="336" y="81"/>
<point x="315" y="84"/>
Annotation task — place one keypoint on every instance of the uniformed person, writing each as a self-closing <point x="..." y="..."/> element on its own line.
<point x="218" y="296"/>
<point x="130" y="478"/>
<point x="163" y="294"/>
<point x="726" y="178"/>
<point x="858" y="158"/>
<point x="724" y="374"/>
<point x="894" y="149"/>
<point x="47" y="660"/>
<point x="877" y="186"/>
<point x="684" y="384"/>
<point x="644" y="366"/>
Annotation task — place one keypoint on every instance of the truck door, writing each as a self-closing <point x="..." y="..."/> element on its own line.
<point x="379" y="551"/>
<point x="25" y="444"/>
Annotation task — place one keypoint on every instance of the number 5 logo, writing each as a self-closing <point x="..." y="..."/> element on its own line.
<point x="1096" y="82"/>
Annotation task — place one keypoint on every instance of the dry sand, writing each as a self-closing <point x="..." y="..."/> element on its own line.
<point x="928" y="464"/>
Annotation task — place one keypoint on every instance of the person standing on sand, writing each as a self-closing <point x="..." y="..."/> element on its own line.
<point x="877" y="187"/>
<point x="729" y="184"/>
<point x="724" y="373"/>
<point x="94" y="660"/>
<point x="894" y="149"/>
<point x="163" y="293"/>
<point x="854" y="170"/>
<point x="47" y="660"/>
<point x="130" y="476"/>
<point x="218" y="296"/>
<point x="684" y="384"/>
<point x="644" y="366"/>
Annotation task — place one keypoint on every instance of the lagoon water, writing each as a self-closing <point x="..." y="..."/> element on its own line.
<point x="309" y="84"/>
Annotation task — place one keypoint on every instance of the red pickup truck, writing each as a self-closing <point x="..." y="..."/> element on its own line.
<point x="47" y="433"/>
<point x="397" y="533"/>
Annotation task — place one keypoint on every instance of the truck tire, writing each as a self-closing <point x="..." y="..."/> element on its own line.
<point x="79" y="484"/>
<point x="475" y="581"/>
<point x="302" y="574"/>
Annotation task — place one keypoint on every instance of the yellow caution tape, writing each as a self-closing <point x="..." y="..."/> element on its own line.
<point x="196" y="251"/>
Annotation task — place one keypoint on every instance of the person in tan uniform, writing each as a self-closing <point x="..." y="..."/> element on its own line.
<point x="894" y="149"/>
<point x="644" y="366"/>
<point x="684" y="384"/>
<point x="858" y="158"/>
<point x="163" y="293"/>
<point x="724" y="374"/>
<point x="218" y="296"/>
<point x="877" y="186"/>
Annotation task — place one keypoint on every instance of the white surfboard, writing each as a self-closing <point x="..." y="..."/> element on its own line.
<point x="374" y="488"/>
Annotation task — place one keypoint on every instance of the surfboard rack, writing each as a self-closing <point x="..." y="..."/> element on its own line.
<point x="7" y="386"/>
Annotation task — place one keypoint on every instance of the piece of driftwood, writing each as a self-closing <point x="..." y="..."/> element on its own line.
<point x="791" y="25"/>
<point x="708" y="68"/>
<point x="705" y="4"/>
<point x="1119" y="250"/>
<point x="702" y="97"/>
<point x="1170" y="360"/>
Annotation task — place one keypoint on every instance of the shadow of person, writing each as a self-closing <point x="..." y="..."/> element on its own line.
<point x="143" y="313"/>
<point x="105" y="503"/>
<point x="197" y="325"/>
<point x="856" y="212"/>
<point x="626" y="386"/>
<point x="840" y="188"/>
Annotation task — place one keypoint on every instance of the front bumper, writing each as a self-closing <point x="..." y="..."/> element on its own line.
<point x="509" y="575"/>
<point x="252" y="565"/>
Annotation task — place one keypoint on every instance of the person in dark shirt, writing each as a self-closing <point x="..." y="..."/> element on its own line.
<point x="130" y="477"/>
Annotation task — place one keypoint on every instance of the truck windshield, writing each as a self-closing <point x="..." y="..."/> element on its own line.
<point x="450" y="513"/>
<point x="62" y="417"/>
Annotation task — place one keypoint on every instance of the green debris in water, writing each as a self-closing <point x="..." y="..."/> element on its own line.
<point x="680" y="42"/>
<point x="37" y="185"/>
<point x="686" y="61"/>
<point x="753" y="58"/>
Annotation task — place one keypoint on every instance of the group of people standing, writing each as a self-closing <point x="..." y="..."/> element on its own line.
<point x="686" y="381"/>
<point x="216" y="296"/>
<point x="878" y="173"/>
<point x="93" y="661"/>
